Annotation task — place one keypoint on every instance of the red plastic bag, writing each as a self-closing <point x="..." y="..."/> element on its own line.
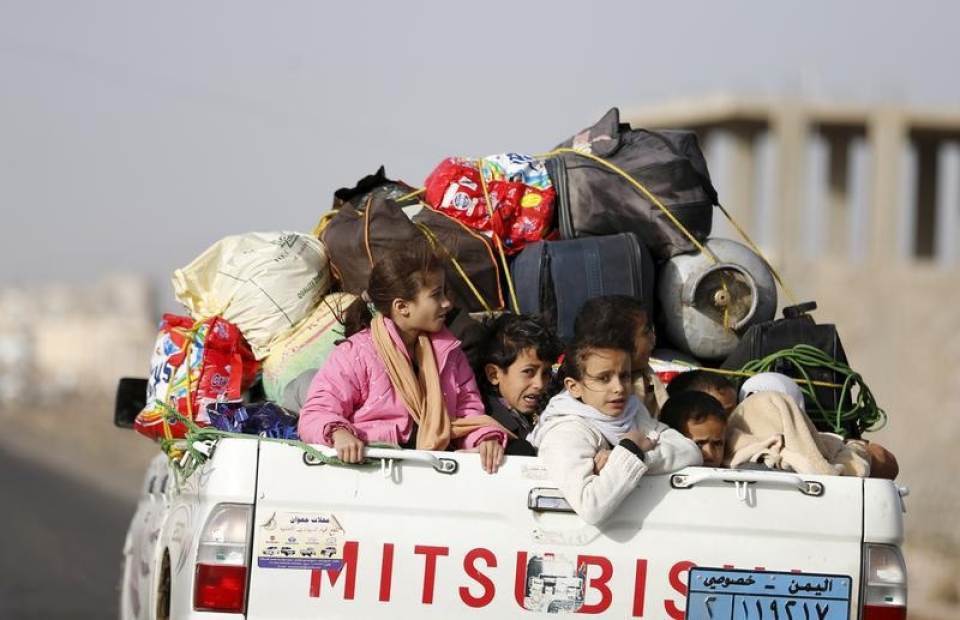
<point x="454" y="188"/>
<point x="194" y="364"/>
<point x="522" y="212"/>
<point x="532" y="220"/>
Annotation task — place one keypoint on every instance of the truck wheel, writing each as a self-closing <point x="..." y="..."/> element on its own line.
<point x="124" y="589"/>
<point x="163" y="589"/>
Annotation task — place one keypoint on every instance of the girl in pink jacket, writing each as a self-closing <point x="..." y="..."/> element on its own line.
<point x="400" y="377"/>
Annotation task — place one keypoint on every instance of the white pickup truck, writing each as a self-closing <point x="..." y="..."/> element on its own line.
<point x="262" y="530"/>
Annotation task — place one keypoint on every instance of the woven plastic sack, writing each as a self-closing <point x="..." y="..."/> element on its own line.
<point x="264" y="283"/>
<point x="296" y="357"/>
<point x="194" y="365"/>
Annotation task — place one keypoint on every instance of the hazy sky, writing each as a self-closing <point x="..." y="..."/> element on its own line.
<point x="134" y="134"/>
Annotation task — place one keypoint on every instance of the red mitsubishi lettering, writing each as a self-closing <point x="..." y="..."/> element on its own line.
<point x="386" y="573"/>
<point x="639" y="588"/>
<point x="429" y="568"/>
<point x="520" y="581"/>
<point x="599" y="583"/>
<point x="349" y="563"/>
<point x="675" y="583"/>
<point x="469" y="562"/>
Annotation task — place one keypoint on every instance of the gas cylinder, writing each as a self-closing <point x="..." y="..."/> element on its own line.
<point x="706" y="305"/>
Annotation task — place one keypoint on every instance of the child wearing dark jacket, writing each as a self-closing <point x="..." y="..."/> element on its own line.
<point x="513" y="366"/>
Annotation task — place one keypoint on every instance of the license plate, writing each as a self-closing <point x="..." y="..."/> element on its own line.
<point x="720" y="594"/>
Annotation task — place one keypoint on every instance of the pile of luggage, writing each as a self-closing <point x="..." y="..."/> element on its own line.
<point x="612" y="210"/>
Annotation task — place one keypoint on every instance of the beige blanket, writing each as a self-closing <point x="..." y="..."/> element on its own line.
<point x="769" y="428"/>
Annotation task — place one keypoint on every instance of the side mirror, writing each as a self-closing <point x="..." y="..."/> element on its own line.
<point x="131" y="399"/>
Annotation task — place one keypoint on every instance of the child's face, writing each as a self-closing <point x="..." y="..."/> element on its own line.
<point x="522" y="384"/>
<point x="726" y="396"/>
<point x="645" y="339"/>
<point x="710" y="436"/>
<point x="428" y="310"/>
<point x="605" y="383"/>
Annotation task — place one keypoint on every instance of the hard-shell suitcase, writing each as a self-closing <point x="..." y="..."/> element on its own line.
<point x="553" y="279"/>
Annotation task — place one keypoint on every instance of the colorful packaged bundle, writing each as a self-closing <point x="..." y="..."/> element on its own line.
<point x="519" y="188"/>
<point x="194" y="364"/>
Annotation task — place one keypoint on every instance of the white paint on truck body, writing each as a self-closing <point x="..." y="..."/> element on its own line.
<point x="407" y="540"/>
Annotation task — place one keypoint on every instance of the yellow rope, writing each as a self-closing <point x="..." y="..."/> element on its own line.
<point x="499" y="243"/>
<point x="676" y="222"/>
<point x="189" y="335"/>
<point x="412" y="194"/>
<point x="753" y="246"/>
<point x="643" y="190"/>
<point x="435" y="242"/>
<point x="324" y="222"/>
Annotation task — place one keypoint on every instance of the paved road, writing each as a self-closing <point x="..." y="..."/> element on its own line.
<point x="61" y="544"/>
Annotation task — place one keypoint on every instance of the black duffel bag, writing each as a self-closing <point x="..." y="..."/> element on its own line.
<point x="796" y="328"/>
<point x="593" y="199"/>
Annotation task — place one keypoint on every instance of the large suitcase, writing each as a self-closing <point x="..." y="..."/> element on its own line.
<point x="593" y="199"/>
<point x="798" y="327"/>
<point x="554" y="278"/>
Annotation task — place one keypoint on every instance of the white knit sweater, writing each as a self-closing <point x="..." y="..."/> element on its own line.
<point x="568" y="444"/>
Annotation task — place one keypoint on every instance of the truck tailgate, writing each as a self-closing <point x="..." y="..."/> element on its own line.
<point x="336" y="542"/>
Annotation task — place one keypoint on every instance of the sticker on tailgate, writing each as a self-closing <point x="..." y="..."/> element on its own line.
<point x="303" y="540"/>
<point x="722" y="594"/>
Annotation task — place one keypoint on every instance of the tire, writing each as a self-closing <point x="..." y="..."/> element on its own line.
<point x="163" y="589"/>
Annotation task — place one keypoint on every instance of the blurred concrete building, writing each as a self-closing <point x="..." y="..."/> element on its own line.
<point x="855" y="183"/>
<point x="64" y="340"/>
<point x="859" y="208"/>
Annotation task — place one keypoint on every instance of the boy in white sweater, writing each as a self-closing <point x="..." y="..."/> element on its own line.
<point x="596" y="411"/>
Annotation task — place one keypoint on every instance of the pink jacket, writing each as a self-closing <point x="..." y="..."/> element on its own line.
<point x="352" y="390"/>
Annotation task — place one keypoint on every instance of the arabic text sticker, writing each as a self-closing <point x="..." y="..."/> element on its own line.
<point x="300" y="540"/>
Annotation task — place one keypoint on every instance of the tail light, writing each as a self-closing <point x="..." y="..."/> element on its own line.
<point x="885" y="583"/>
<point x="220" y="581"/>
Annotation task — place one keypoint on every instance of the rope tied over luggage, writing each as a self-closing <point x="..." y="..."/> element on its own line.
<point x="435" y="243"/>
<point x="673" y="219"/>
<point x="802" y="357"/>
<point x="196" y="447"/>
<point x="642" y="189"/>
<point x="497" y="240"/>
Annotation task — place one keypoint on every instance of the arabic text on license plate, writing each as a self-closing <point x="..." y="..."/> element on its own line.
<point x="720" y="594"/>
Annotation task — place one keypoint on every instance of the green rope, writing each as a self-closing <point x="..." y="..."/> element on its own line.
<point x="186" y="457"/>
<point x="864" y="411"/>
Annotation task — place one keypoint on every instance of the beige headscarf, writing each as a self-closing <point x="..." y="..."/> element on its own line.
<point x="422" y="395"/>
